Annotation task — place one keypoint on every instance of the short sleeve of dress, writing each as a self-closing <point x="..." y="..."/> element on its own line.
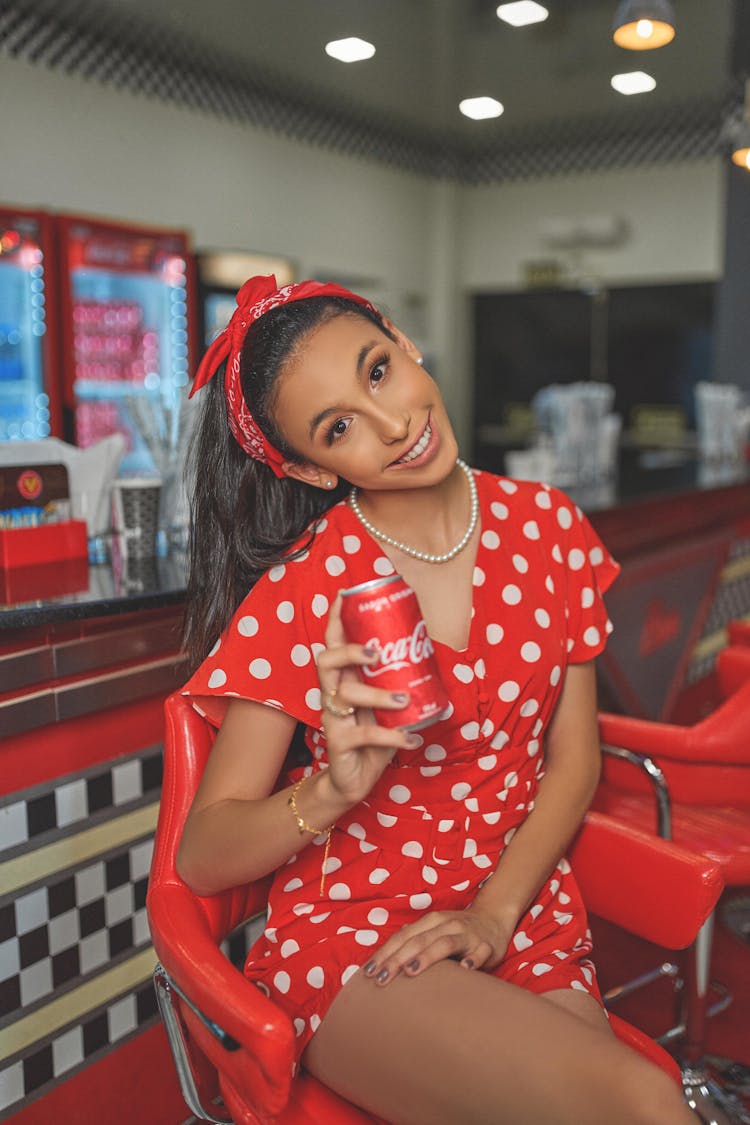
<point x="589" y="572"/>
<point x="267" y="653"/>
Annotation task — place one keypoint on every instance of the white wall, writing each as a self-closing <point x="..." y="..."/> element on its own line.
<point x="674" y="213"/>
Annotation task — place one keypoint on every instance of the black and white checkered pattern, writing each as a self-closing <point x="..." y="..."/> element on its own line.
<point x="111" y="47"/>
<point x="55" y="936"/>
<point x="44" y="813"/>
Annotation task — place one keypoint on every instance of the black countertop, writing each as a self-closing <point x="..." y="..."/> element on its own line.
<point x="124" y="586"/>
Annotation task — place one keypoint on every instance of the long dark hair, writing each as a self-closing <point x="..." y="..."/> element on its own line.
<point x="243" y="519"/>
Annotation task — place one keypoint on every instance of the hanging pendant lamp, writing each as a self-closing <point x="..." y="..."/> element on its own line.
<point x="643" y="25"/>
<point x="741" y="135"/>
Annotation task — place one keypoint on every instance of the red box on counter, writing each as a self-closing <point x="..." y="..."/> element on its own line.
<point x="51" y="542"/>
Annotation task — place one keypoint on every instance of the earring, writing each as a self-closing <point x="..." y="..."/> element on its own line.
<point x="420" y="360"/>
<point x="329" y="484"/>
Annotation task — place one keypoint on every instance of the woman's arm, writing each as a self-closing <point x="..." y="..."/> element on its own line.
<point x="572" y="766"/>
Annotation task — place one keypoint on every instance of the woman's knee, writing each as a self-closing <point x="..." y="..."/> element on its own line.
<point x="651" y="1097"/>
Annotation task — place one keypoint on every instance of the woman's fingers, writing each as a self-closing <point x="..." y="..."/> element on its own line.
<point x="414" y="949"/>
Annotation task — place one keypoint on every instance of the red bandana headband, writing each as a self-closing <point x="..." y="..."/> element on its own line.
<point x="256" y="297"/>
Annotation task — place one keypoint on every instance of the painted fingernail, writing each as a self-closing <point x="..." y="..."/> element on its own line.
<point x="412" y="966"/>
<point x="467" y="963"/>
<point x="400" y="697"/>
<point x="382" y="976"/>
<point x="413" y="740"/>
<point x="369" y="968"/>
<point x="370" y="652"/>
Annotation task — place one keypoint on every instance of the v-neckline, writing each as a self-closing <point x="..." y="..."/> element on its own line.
<point x="379" y="552"/>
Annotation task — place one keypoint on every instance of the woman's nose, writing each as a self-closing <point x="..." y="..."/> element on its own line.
<point x="394" y="426"/>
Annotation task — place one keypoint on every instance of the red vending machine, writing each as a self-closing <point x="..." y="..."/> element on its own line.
<point x="127" y="299"/>
<point x="30" y="405"/>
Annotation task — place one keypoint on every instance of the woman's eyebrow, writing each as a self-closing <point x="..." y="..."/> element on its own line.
<point x="362" y="355"/>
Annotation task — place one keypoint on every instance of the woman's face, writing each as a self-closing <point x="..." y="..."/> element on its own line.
<point x="356" y="404"/>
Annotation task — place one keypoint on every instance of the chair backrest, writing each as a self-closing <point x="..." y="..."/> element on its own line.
<point x="188" y="739"/>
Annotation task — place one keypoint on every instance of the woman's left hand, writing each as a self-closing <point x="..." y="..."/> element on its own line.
<point x="474" y="937"/>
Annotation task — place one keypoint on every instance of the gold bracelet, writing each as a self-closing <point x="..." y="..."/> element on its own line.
<point x="303" y="826"/>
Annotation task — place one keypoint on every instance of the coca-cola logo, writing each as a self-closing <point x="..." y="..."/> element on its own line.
<point x="401" y="652"/>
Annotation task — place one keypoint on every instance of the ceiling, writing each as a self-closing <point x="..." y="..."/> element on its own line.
<point x="432" y="53"/>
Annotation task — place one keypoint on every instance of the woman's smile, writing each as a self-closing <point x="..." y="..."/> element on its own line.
<point x="422" y="451"/>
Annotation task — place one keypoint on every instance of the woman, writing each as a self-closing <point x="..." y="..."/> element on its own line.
<point x="425" y="933"/>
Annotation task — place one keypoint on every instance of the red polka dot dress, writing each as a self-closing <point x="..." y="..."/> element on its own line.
<point x="435" y="824"/>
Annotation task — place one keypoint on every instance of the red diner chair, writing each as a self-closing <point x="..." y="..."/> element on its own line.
<point x="738" y="632"/>
<point x="691" y="785"/>
<point x="234" y="1050"/>
<point x="732" y="668"/>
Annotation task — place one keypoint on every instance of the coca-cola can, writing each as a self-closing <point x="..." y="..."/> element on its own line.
<point x="385" y="614"/>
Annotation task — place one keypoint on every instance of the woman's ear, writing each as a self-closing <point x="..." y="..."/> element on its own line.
<point x="310" y="474"/>
<point x="403" y="341"/>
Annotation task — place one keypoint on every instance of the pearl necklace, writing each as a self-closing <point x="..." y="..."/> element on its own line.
<point x="423" y="555"/>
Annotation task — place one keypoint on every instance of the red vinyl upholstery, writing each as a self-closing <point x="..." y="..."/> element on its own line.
<point x="650" y="887"/>
<point x="733" y="667"/>
<point x="738" y="632"/>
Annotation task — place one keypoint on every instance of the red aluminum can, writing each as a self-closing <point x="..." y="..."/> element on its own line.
<point x="385" y="614"/>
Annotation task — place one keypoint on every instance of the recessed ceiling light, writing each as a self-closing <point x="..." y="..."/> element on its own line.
<point x="480" y="108"/>
<point x="636" y="82"/>
<point x="350" y="50"/>
<point x="522" y="12"/>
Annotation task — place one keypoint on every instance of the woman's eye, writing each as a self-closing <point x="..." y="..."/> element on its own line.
<point x="378" y="373"/>
<point x="338" y="429"/>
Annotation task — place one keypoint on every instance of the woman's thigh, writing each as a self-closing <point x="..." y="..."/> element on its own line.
<point x="451" y="1045"/>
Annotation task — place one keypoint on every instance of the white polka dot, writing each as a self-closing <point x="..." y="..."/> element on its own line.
<point x="216" y="648"/>
<point x="511" y="594"/>
<point x="596" y="556"/>
<point x="480" y="671"/>
<point x="247" y="626"/>
<point x="289" y="947"/>
<point x="530" y="652"/>
<point x="434" y="753"/>
<point x="491" y="540"/>
<point x="429" y="874"/>
<point x="521" y="564"/>
<point x="549" y="584"/>
<point x="494" y="634"/>
<point x="522" y="941"/>
<point x="479" y="576"/>
<point x="351" y="544"/>
<point x="356" y="830"/>
<point x="508" y="691"/>
<point x="421" y="901"/>
<point x="470" y="731"/>
<point x="587" y="597"/>
<point x="315" y="1021"/>
<point x="557" y="553"/>
<point x="335" y="565"/>
<point x="276" y="573"/>
<point x="317" y="648"/>
<point x="540" y="969"/>
<point x="542" y="618"/>
<point x="460" y="790"/>
<point x="316" y="977"/>
<point x="299" y="1025"/>
<point x="260" y="669"/>
<point x="532" y="747"/>
<point x="399" y="793"/>
<point x="472" y="804"/>
<point x="378" y="916"/>
<point x="481" y="861"/>
<point x="491" y="817"/>
<point x="430" y="771"/>
<point x="576" y="558"/>
<point x="312" y="699"/>
<point x="331" y="864"/>
<point x="320" y="605"/>
<point x="463" y="673"/>
<point x="554" y="676"/>
<point x="301" y="656"/>
<point x="578" y="986"/>
<point x="379" y="875"/>
<point x="413" y="848"/>
<point x="366" y="937"/>
<point x="386" y="819"/>
<point x="488" y="762"/>
<point x="293" y="885"/>
<point x="562" y="918"/>
<point x="531" y="529"/>
<point x="508" y="486"/>
<point x="511" y="780"/>
<point x="348" y="973"/>
<point x="217" y="678"/>
<point x="529" y="708"/>
<point x="542" y="499"/>
<point x="591" y="636"/>
<point x="499" y="510"/>
<point x="383" y="566"/>
<point x="339" y="892"/>
<point x="285" y="612"/>
<point x="564" y="518"/>
<point x="470" y="848"/>
<point x="282" y="981"/>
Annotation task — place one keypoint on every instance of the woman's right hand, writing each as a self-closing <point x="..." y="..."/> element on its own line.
<point x="358" y="748"/>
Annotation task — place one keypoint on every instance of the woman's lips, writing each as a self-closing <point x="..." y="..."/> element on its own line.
<point x="422" y="450"/>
